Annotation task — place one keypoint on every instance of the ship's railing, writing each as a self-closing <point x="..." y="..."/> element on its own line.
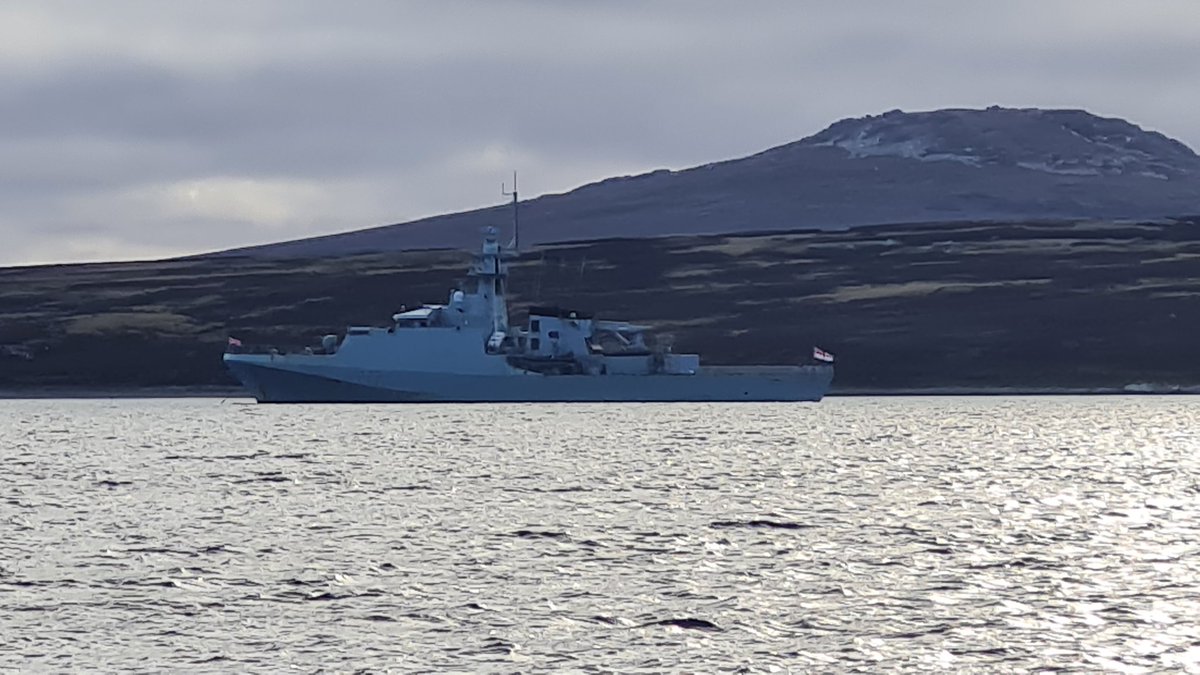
<point x="262" y="349"/>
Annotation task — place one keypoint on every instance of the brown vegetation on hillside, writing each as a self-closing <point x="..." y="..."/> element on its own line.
<point x="969" y="305"/>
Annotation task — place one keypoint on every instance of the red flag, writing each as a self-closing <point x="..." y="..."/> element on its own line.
<point x="822" y="355"/>
<point x="234" y="342"/>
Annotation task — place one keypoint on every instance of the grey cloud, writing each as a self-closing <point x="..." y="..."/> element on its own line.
<point x="377" y="112"/>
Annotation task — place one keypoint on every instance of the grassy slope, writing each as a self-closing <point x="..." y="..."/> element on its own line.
<point x="975" y="305"/>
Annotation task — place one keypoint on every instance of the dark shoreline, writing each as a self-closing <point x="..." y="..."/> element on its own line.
<point x="121" y="392"/>
<point x="235" y="392"/>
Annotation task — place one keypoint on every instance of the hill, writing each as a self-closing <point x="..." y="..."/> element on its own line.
<point x="998" y="164"/>
<point x="1029" y="305"/>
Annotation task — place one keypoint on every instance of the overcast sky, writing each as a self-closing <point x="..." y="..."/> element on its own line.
<point x="156" y="128"/>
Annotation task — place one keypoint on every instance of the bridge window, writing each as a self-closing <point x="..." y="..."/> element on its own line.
<point x="535" y="326"/>
<point x="535" y="344"/>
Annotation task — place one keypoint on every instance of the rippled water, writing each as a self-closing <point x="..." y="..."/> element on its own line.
<point x="857" y="534"/>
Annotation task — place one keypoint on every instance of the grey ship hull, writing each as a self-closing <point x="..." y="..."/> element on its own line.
<point x="270" y="384"/>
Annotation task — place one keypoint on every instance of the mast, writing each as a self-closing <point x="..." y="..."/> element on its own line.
<point x="516" y="240"/>
<point x="491" y="273"/>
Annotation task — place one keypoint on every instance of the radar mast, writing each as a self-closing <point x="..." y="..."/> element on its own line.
<point x="516" y="238"/>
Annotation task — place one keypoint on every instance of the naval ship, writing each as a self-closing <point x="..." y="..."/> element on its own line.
<point x="467" y="351"/>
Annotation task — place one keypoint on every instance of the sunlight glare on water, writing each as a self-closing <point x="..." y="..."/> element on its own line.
<point x="860" y="534"/>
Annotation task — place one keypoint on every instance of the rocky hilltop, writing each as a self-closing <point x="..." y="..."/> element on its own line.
<point x="998" y="164"/>
<point x="1058" y="142"/>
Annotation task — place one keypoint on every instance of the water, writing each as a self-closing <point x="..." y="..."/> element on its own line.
<point x="949" y="534"/>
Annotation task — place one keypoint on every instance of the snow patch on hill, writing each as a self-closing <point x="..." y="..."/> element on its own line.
<point x="1060" y="142"/>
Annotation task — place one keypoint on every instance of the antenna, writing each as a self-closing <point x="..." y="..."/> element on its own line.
<point x="516" y="241"/>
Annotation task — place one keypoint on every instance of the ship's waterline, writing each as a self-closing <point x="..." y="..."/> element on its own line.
<point x="270" y="384"/>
